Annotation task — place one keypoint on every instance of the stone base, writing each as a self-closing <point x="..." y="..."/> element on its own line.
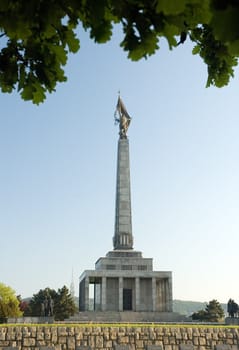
<point x="126" y="316"/>
<point x="30" y="319"/>
<point x="124" y="253"/>
<point x="232" y="320"/>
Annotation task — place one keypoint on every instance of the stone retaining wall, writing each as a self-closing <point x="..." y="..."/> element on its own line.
<point x="150" y="337"/>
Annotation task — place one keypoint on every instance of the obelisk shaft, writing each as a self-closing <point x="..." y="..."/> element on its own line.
<point x="123" y="238"/>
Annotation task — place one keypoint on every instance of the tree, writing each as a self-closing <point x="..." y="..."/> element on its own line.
<point x="201" y="315"/>
<point x="64" y="305"/>
<point x="215" y="311"/>
<point x="212" y="313"/>
<point x="9" y="303"/>
<point x="38" y="300"/>
<point x="37" y="38"/>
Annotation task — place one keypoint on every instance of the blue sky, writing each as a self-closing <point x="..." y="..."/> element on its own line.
<point x="58" y="173"/>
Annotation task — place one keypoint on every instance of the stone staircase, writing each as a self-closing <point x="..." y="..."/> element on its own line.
<point x="125" y="317"/>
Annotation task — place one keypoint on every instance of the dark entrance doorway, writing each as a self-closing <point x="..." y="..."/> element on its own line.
<point x="127" y="299"/>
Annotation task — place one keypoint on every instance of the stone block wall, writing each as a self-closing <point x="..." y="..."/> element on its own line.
<point x="80" y="337"/>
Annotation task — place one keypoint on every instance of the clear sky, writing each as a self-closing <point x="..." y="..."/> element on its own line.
<point x="58" y="173"/>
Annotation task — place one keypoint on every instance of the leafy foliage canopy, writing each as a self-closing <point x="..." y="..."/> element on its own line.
<point x="37" y="38"/>
<point x="9" y="303"/>
<point x="64" y="304"/>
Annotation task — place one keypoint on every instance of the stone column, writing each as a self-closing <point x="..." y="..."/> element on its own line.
<point x="170" y="283"/>
<point x="87" y="304"/>
<point x="164" y="295"/>
<point x="168" y="296"/>
<point x="123" y="238"/>
<point x="103" y="294"/>
<point x="153" y="294"/>
<point x="159" y="294"/>
<point x="120" y="293"/>
<point x="137" y="294"/>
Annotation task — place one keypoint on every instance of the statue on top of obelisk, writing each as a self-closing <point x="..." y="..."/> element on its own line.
<point x="122" y="118"/>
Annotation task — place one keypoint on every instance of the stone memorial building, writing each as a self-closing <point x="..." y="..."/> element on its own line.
<point x="124" y="280"/>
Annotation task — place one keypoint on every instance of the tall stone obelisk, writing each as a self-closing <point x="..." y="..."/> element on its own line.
<point x="123" y="238"/>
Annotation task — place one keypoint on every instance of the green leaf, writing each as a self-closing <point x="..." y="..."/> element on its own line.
<point x="225" y="24"/>
<point x="15" y="27"/>
<point x="196" y="50"/>
<point x="60" y="52"/>
<point x="5" y="87"/>
<point x="197" y="12"/>
<point x="101" y="32"/>
<point x="149" y="43"/>
<point x="170" y="31"/>
<point x="233" y="48"/>
<point x="72" y="42"/>
<point x="136" y="54"/>
<point x="170" y="7"/>
<point x="38" y="94"/>
<point x="49" y="31"/>
<point x="27" y="93"/>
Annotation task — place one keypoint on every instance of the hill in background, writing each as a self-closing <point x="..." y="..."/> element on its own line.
<point x="185" y="307"/>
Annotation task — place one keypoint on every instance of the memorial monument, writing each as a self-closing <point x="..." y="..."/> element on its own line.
<point x="123" y="280"/>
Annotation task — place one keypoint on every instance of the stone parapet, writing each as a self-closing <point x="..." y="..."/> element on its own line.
<point x="134" y="337"/>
